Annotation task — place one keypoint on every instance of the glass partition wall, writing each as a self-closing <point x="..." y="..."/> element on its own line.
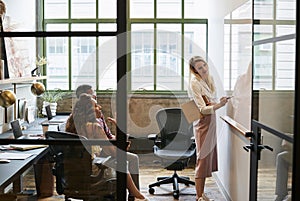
<point x="28" y="39"/>
<point x="274" y="24"/>
<point x="265" y="38"/>
<point x="70" y="32"/>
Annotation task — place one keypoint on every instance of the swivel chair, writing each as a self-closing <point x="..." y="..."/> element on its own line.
<point x="174" y="145"/>
<point x="73" y="170"/>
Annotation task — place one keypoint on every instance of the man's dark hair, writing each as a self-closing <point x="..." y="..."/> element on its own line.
<point x="82" y="89"/>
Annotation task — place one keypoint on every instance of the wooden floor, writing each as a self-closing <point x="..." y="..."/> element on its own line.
<point x="267" y="183"/>
<point x="149" y="170"/>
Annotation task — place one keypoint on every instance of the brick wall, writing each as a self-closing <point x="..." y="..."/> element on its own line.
<point x="141" y="114"/>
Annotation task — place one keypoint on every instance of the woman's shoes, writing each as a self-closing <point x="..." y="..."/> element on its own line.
<point x="205" y="198"/>
<point x="139" y="199"/>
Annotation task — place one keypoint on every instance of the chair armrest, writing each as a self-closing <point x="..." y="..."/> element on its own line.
<point x="130" y="136"/>
<point x="152" y="136"/>
<point x="156" y="139"/>
<point x="193" y="143"/>
<point x="100" y="161"/>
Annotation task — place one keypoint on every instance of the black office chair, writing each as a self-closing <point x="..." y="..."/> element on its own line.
<point x="174" y="145"/>
<point x="73" y="170"/>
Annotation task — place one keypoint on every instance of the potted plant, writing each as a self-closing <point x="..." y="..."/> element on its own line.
<point x="51" y="98"/>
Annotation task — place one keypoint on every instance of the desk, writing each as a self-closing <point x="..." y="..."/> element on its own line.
<point x="35" y="127"/>
<point x="12" y="172"/>
<point x="56" y="120"/>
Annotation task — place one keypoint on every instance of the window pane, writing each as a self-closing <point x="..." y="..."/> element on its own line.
<point x="240" y="50"/>
<point x="286" y="10"/>
<point x="108" y="9"/>
<point x="263" y="9"/>
<point x="239" y="44"/>
<point x="83" y="8"/>
<point x="141" y="9"/>
<point x="56" y="9"/>
<point x="169" y="9"/>
<point x="191" y="9"/>
<point x="83" y="56"/>
<point x="58" y="58"/>
<point x="107" y="63"/>
<point x="227" y="57"/>
<point x="262" y="68"/>
<point x="282" y="30"/>
<point x="107" y="27"/>
<point x="285" y="65"/>
<point x="168" y="57"/>
<point x="142" y="57"/>
<point x="194" y="43"/>
<point x="262" y="32"/>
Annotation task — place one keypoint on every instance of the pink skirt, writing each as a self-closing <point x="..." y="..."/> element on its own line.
<point x="206" y="146"/>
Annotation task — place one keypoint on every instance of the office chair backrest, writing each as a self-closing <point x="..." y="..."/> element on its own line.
<point x="73" y="163"/>
<point x="175" y="131"/>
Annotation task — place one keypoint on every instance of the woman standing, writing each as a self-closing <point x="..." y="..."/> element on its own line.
<point x="203" y="92"/>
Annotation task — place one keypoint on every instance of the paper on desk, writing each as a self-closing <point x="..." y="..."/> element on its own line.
<point x="17" y="156"/>
<point x="24" y="147"/>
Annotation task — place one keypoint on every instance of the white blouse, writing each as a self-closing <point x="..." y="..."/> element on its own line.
<point x="199" y="88"/>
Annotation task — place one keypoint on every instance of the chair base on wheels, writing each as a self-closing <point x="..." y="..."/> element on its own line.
<point x="175" y="180"/>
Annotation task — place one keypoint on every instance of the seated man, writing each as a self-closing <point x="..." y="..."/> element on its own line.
<point x="133" y="159"/>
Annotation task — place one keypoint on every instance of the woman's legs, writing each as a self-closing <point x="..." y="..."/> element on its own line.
<point x="199" y="185"/>
<point x="133" y="168"/>
<point x="132" y="188"/>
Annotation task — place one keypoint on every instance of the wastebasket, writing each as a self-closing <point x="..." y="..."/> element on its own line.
<point x="44" y="179"/>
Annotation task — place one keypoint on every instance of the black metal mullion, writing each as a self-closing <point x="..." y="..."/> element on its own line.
<point x="255" y="141"/>
<point x="254" y="128"/>
<point x="296" y="147"/>
<point x="121" y="98"/>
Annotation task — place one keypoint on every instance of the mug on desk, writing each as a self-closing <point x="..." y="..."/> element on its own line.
<point x="45" y="128"/>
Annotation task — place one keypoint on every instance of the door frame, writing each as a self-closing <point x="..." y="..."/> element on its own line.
<point x="296" y="147"/>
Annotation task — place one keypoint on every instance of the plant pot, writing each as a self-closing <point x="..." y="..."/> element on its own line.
<point x="53" y="107"/>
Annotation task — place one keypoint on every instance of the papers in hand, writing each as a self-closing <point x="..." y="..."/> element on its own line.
<point x="24" y="147"/>
<point x="17" y="156"/>
<point x="191" y="111"/>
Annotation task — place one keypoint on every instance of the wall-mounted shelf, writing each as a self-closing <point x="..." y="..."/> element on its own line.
<point x="21" y="79"/>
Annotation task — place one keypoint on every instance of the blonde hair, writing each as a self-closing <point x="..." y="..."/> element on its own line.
<point x="208" y="80"/>
<point x="2" y="8"/>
